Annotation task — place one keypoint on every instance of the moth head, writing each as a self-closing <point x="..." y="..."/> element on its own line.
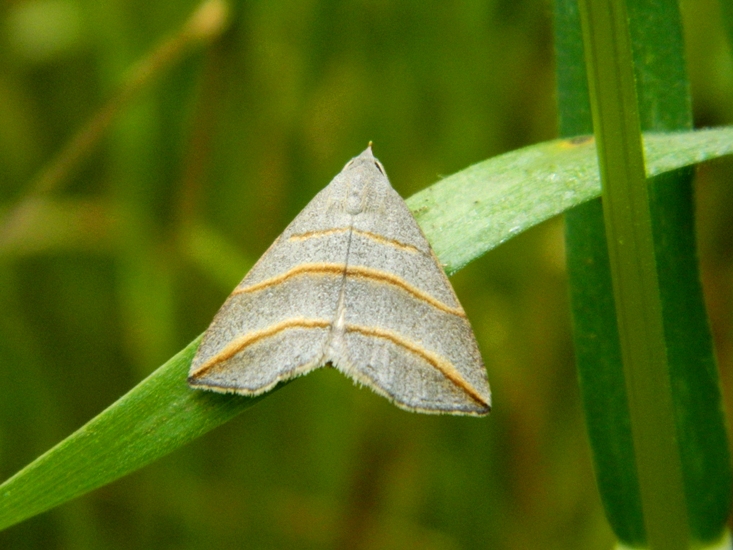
<point x="363" y="181"/>
<point x="366" y="161"/>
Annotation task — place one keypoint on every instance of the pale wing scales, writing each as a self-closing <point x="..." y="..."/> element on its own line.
<point x="351" y="281"/>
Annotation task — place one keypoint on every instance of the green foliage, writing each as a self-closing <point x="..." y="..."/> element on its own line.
<point x="665" y="392"/>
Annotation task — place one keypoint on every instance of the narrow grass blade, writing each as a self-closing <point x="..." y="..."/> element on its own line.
<point x="470" y="212"/>
<point x="630" y="241"/>
<point x="664" y="106"/>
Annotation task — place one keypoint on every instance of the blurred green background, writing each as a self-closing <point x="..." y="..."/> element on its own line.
<point x="118" y="267"/>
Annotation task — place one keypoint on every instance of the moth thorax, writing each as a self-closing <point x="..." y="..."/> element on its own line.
<point x="357" y="196"/>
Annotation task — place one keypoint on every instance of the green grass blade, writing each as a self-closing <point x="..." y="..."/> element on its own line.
<point x="460" y="216"/>
<point x="664" y="106"/>
<point x="630" y="241"/>
<point x="595" y="331"/>
<point x="477" y="209"/>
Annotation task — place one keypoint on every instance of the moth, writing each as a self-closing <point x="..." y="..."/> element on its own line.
<point x="352" y="283"/>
